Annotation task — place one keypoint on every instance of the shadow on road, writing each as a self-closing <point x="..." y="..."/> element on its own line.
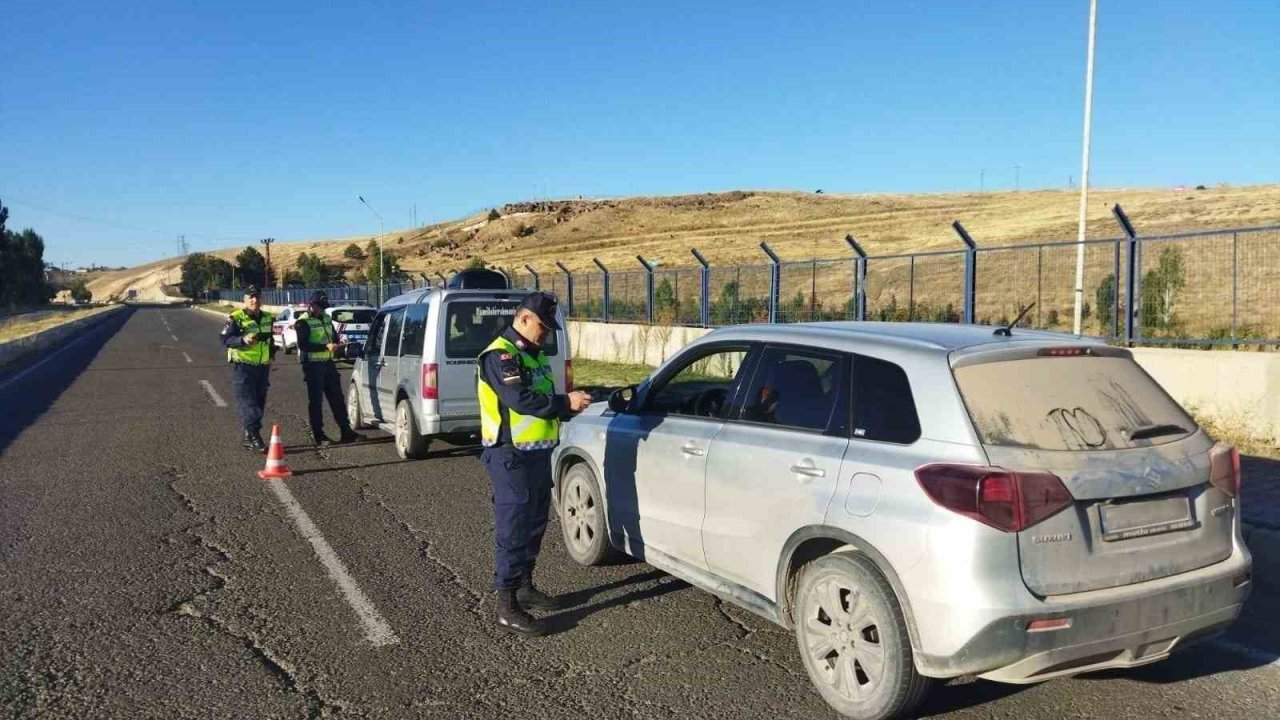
<point x="25" y="397"/>
<point x="966" y="693"/>
<point x="568" y="620"/>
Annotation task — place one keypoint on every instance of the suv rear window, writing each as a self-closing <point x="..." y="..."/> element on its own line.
<point x="356" y="316"/>
<point x="1070" y="403"/>
<point x="470" y="325"/>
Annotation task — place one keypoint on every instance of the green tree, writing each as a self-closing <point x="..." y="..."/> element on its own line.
<point x="389" y="269"/>
<point x="313" y="271"/>
<point x="475" y="263"/>
<point x="251" y="267"/>
<point x="353" y="252"/>
<point x="371" y="249"/>
<point x="201" y="272"/>
<point x="1160" y="288"/>
<point x="80" y="292"/>
<point x="21" y="266"/>
<point x="494" y="215"/>
<point x="1105" y="300"/>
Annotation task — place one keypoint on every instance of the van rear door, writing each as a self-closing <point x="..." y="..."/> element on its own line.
<point x="1135" y="464"/>
<point x="468" y="323"/>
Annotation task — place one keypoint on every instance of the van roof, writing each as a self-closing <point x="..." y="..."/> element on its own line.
<point x="439" y="294"/>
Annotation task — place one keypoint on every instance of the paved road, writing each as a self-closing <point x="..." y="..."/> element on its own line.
<point x="145" y="571"/>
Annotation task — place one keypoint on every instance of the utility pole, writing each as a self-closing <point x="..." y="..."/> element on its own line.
<point x="1084" y="171"/>
<point x="1017" y="178"/>
<point x="382" y="266"/>
<point x="267" y="242"/>
<point x="982" y="180"/>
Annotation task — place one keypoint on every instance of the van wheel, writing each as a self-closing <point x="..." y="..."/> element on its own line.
<point x="410" y="445"/>
<point x="354" y="414"/>
<point x="853" y="640"/>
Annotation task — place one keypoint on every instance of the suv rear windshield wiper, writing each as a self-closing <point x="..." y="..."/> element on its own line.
<point x="1146" y="432"/>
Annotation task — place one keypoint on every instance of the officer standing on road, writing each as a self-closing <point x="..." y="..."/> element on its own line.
<point x="247" y="337"/>
<point x="317" y="347"/>
<point x="520" y="415"/>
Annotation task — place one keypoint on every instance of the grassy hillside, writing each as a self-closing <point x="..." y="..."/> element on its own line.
<point x="728" y="227"/>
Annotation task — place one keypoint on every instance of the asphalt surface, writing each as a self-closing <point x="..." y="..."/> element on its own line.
<point x="146" y="571"/>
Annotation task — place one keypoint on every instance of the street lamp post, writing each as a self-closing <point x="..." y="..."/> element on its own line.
<point x="267" y="278"/>
<point x="1084" y="169"/>
<point x="382" y="267"/>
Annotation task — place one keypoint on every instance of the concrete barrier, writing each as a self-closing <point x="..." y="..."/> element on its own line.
<point x="13" y="351"/>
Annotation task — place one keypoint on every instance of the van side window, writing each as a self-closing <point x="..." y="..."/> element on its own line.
<point x="470" y="325"/>
<point x="373" y="343"/>
<point x="883" y="407"/>
<point x="415" y="330"/>
<point x="395" y="322"/>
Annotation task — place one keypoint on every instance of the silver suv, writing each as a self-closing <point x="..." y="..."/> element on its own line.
<point x="918" y="501"/>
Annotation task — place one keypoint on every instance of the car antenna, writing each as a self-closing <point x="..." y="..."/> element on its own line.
<point x="1007" y="330"/>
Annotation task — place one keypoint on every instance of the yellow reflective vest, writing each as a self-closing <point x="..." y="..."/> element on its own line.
<point x="258" y="353"/>
<point x="319" y="332"/>
<point x="527" y="432"/>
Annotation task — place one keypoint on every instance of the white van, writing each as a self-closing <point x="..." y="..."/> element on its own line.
<point x="417" y="376"/>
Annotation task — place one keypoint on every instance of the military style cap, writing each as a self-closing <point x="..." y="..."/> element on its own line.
<point x="544" y="306"/>
<point x="318" y="298"/>
<point x="252" y="291"/>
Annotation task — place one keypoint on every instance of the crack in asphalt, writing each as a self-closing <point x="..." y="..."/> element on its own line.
<point x="425" y="547"/>
<point x="317" y="706"/>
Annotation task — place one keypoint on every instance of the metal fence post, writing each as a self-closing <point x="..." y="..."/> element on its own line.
<point x="1235" y="281"/>
<point x="568" y="288"/>
<point x="859" y="279"/>
<point x="775" y="281"/>
<point x="537" y="279"/>
<point x="1133" y="278"/>
<point x="648" y="289"/>
<point x="1115" y="291"/>
<point x="605" y="301"/>
<point x="704" y="288"/>
<point x="970" y="274"/>
<point x="443" y="280"/>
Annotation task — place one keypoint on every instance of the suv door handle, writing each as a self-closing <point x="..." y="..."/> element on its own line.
<point x="808" y="469"/>
<point x="690" y="449"/>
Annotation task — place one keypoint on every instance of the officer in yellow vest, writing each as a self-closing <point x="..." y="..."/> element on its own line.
<point x="317" y="346"/>
<point x="247" y="337"/>
<point x="520" y="415"/>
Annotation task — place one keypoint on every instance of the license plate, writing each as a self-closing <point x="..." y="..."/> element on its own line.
<point x="1140" y="518"/>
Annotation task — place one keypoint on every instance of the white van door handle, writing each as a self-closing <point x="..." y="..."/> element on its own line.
<point x="691" y="449"/>
<point x="806" y="469"/>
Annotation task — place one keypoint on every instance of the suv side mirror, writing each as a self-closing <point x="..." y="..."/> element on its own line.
<point x="620" y="399"/>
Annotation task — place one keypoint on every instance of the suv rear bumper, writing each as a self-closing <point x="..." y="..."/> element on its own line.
<point x="455" y="424"/>
<point x="1114" y="628"/>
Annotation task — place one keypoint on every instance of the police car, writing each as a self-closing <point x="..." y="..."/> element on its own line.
<point x="416" y="377"/>
<point x="352" y="322"/>
<point x="282" y="333"/>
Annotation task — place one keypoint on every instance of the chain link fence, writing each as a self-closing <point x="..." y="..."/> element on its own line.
<point x="1200" y="289"/>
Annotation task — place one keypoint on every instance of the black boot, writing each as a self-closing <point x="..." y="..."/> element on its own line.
<point x="247" y="441"/>
<point x="350" y="436"/>
<point x="320" y="440"/>
<point x="534" y="599"/>
<point x="256" y="439"/>
<point x="513" y="618"/>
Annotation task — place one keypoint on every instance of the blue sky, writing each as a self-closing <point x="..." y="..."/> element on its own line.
<point x="125" y="124"/>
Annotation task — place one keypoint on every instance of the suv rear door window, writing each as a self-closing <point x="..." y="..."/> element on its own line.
<point x="883" y="407"/>
<point x="1070" y="403"/>
<point x="799" y="389"/>
<point x="470" y="325"/>
<point x="395" y="321"/>
<point x="354" y="316"/>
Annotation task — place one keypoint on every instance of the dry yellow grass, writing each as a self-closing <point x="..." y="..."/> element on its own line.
<point x="728" y="227"/>
<point x="20" y="326"/>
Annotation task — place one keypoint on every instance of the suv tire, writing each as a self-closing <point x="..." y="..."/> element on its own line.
<point x="581" y="506"/>
<point x="410" y="444"/>
<point x="853" y="640"/>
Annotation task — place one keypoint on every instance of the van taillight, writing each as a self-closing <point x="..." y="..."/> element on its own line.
<point x="431" y="381"/>
<point x="568" y="376"/>
<point x="1007" y="501"/>
<point x="1224" y="469"/>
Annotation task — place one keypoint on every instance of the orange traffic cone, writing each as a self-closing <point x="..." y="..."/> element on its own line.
<point x="276" y="468"/>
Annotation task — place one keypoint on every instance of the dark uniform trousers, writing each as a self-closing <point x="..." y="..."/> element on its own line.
<point x="250" y="383"/>
<point x="323" y="382"/>
<point x="521" y="502"/>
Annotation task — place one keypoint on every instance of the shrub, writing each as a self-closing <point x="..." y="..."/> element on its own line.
<point x="494" y="215"/>
<point x="440" y="243"/>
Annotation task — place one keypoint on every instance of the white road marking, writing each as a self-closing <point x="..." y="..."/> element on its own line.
<point x="376" y="628"/>
<point x="38" y="365"/>
<point x="175" y="337"/>
<point x="188" y="357"/>
<point x="1260" y="656"/>
<point x="217" y="399"/>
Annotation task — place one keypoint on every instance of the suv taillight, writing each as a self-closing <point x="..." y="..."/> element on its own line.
<point x="1224" y="469"/>
<point x="431" y="381"/>
<point x="1007" y="501"/>
<point x="568" y="376"/>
